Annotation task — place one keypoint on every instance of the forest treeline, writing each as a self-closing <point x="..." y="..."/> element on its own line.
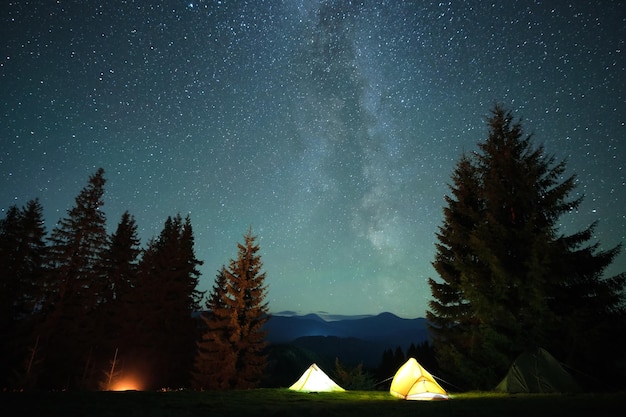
<point x="79" y="306"/>
<point x="83" y="309"/>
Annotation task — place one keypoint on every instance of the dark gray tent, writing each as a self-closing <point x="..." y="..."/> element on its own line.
<point x="537" y="371"/>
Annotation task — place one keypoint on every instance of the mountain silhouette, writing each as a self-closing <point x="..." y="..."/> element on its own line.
<point x="351" y="340"/>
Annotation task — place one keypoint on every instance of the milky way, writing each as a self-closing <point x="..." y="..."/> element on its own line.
<point x="329" y="127"/>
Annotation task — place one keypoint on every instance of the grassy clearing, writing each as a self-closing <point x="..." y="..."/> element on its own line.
<point x="282" y="402"/>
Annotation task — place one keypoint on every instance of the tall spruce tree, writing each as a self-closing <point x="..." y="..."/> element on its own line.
<point x="450" y="314"/>
<point x="120" y="265"/>
<point x="22" y="256"/>
<point x="509" y="280"/>
<point x="231" y="352"/>
<point x="120" y="259"/>
<point x="74" y="288"/>
<point x="216" y="358"/>
<point x="161" y="307"/>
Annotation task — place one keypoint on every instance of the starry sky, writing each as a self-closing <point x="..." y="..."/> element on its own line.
<point x="329" y="127"/>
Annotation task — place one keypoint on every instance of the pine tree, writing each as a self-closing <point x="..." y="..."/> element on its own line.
<point x="214" y="364"/>
<point x="22" y="255"/>
<point x="162" y="305"/>
<point x="589" y="308"/>
<point x="450" y="316"/>
<point x="74" y="286"/>
<point x="120" y="259"/>
<point x="9" y="264"/>
<point x="425" y="355"/>
<point x="231" y="352"/>
<point x="509" y="281"/>
<point x="353" y="378"/>
<point x="120" y="265"/>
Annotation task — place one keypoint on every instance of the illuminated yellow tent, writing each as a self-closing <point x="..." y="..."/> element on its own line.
<point x="315" y="380"/>
<point x="413" y="382"/>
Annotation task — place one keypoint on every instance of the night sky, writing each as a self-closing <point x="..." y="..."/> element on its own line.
<point x="330" y="127"/>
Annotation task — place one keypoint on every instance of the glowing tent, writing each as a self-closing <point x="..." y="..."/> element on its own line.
<point x="315" y="380"/>
<point x="413" y="382"/>
<point x="537" y="371"/>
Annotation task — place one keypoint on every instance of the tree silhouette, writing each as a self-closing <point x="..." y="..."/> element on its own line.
<point x="353" y="378"/>
<point x="230" y="354"/>
<point x="68" y="307"/>
<point x="74" y="287"/>
<point x="160" y="309"/>
<point x="509" y="281"/>
<point x="22" y="255"/>
<point x="120" y="264"/>
<point x="120" y="259"/>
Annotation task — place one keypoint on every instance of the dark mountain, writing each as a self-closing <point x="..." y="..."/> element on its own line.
<point x="352" y="341"/>
<point x="282" y="329"/>
<point x="349" y="351"/>
<point x="385" y="327"/>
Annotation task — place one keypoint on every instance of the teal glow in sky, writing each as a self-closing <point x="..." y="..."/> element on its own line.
<point x="330" y="127"/>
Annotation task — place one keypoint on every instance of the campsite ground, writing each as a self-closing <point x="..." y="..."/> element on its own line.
<point x="282" y="402"/>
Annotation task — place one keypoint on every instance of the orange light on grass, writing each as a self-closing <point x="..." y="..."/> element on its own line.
<point x="128" y="383"/>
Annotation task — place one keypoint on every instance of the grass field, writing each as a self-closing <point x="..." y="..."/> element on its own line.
<point x="282" y="402"/>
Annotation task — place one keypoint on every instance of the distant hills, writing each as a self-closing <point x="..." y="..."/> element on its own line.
<point x="351" y="339"/>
